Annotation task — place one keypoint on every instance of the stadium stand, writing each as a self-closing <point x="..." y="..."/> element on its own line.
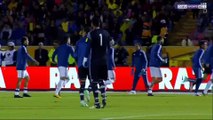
<point x="127" y="21"/>
<point x="48" y="20"/>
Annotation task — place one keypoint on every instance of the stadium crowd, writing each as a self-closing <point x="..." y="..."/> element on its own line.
<point x="128" y="21"/>
<point x="49" y="20"/>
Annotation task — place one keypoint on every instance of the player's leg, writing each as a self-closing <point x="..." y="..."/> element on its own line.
<point x="208" y="85"/>
<point x="63" y="77"/>
<point x="103" y="75"/>
<point x="18" y="84"/>
<point x="156" y="76"/>
<point x="82" y="78"/>
<point x="27" y="78"/>
<point x="103" y="92"/>
<point x="135" y="81"/>
<point x="193" y="81"/>
<point x="93" y="71"/>
<point x="207" y="71"/>
<point x="111" y="77"/>
<point x="94" y="85"/>
<point x="89" y="89"/>
<point x="198" y="74"/>
<point x="147" y="84"/>
<point x="81" y="92"/>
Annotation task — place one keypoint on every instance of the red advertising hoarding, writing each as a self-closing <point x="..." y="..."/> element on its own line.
<point x="46" y="78"/>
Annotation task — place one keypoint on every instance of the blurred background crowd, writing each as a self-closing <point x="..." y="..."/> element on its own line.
<point x="126" y="20"/>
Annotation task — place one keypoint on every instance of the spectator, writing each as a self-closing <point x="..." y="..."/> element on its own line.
<point x="164" y="31"/>
<point x="129" y="36"/>
<point x="186" y="41"/>
<point x="18" y="32"/>
<point x="39" y="35"/>
<point x="121" y="55"/>
<point x="41" y="55"/>
<point x="146" y="33"/>
<point x="208" y="32"/>
<point x="123" y="28"/>
<point x="10" y="55"/>
<point x="67" y="16"/>
<point x="183" y="42"/>
<point x="6" y="33"/>
<point x="55" y="45"/>
<point x="51" y="32"/>
<point x="12" y="5"/>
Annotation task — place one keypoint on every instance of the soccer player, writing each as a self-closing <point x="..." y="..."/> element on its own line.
<point x="209" y="64"/>
<point x="206" y="62"/>
<point x="97" y="49"/>
<point x="140" y="62"/>
<point x="197" y="66"/>
<point x="155" y="62"/>
<point x="63" y="52"/>
<point x="83" y="72"/>
<point x="111" y="65"/>
<point x="21" y="64"/>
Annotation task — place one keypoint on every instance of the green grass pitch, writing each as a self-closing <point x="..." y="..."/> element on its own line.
<point x="42" y="105"/>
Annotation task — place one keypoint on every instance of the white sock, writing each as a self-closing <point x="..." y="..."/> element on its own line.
<point x="17" y="91"/>
<point x="149" y="91"/>
<point x="25" y="90"/>
<point x="59" y="86"/>
<point x="208" y="85"/>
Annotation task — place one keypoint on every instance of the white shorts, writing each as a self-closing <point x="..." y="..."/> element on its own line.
<point x="155" y="72"/>
<point x="22" y="74"/>
<point x="111" y="75"/>
<point x="63" y="71"/>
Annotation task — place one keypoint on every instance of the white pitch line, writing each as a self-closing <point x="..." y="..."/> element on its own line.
<point x="153" y="115"/>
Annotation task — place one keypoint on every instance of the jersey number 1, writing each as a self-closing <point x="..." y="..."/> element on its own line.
<point x="101" y="39"/>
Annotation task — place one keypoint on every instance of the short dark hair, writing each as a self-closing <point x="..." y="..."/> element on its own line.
<point x="24" y="38"/>
<point x="96" y="21"/>
<point x="64" y="40"/>
<point x="86" y="29"/>
<point x="138" y="43"/>
<point x="202" y="42"/>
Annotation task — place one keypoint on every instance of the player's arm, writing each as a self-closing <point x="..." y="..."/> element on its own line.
<point x="87" y="52"/>
<point x="76" y="52"/>
<point x="159" y="55"/>
<point x="71" y="51"/>
<point x="133" y="60"/>
<point x="133" y="64"/>
<point x="113" y="58"/>
<point x="200" y="59"/>
<point x="30" y="58"/>
<point x="207" y="56"/>
<point x="15" y="57"/>
<point x="145" y="64"/>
